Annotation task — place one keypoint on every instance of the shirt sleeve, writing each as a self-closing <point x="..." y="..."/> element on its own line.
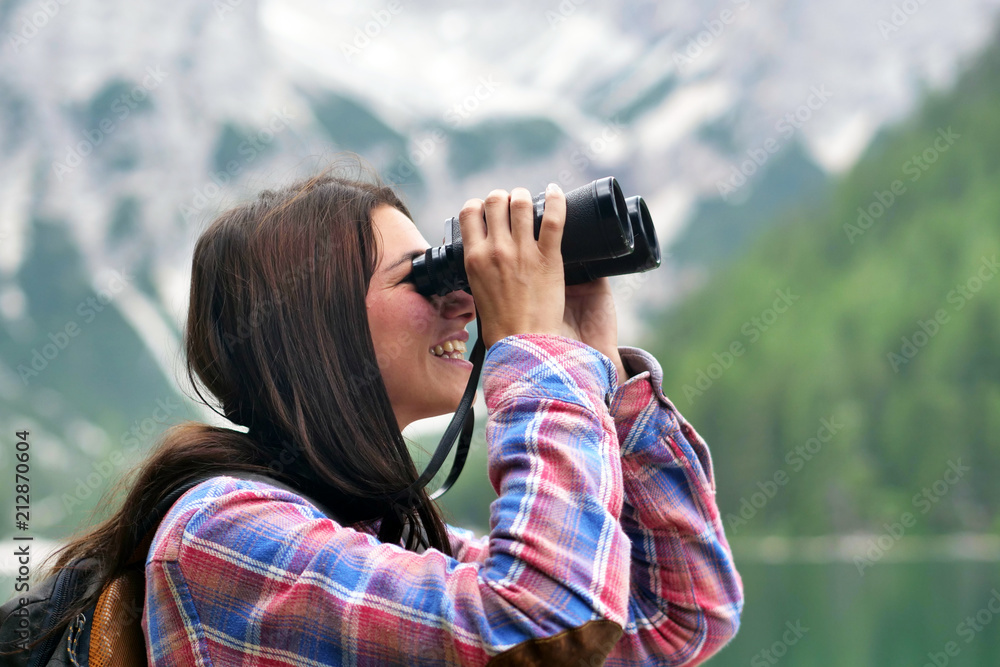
<point x="466" y="547"/>
<point x="685" y="593"/>
<point x="239" y="568"/>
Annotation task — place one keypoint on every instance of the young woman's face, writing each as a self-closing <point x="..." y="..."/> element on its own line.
<point x="407" y="327"/>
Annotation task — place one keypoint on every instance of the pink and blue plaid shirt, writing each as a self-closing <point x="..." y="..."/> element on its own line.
<point x="606" y="511"/>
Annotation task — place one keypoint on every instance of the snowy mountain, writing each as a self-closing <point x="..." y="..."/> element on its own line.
<point x="125" y="126"/>
<point x="630" y="88"/>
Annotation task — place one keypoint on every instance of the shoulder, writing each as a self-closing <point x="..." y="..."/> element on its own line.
<point x="228" y="505"/>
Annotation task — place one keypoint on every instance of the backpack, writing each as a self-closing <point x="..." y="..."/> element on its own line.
<point x="109" y="633"/>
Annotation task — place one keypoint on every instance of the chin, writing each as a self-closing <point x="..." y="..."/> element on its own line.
<point x="457" y="400"/>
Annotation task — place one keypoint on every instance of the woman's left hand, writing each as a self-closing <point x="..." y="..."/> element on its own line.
<point x="590" y="318"/>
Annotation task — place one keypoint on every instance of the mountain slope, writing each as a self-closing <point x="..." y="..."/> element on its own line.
<point x="846" y="370"/>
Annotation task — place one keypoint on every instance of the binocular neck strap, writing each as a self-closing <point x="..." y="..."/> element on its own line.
<point x="464" y="418"/>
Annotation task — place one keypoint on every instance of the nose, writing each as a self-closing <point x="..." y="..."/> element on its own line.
<point x="456" y="305"/>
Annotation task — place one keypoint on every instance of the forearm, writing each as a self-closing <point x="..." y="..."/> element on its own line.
<point x="554" y="462"/>
<point x="685" y="594"/>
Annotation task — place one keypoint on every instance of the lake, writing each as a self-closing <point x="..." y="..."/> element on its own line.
<point x="894" y="615"/>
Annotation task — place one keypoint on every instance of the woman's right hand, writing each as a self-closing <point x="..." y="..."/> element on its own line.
<point x="518" y="283"/>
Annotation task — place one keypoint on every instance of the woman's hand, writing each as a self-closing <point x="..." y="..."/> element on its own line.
<point x="517" y="282"/>
<point x="590" y="318"/>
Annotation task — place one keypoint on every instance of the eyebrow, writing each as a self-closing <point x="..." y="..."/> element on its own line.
<point x="409" y="257"/>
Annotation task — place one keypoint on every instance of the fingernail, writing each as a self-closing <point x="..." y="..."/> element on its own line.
<point x="553" y="188"/>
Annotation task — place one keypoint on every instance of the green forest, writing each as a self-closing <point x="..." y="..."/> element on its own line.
<point x="846" y="367"/>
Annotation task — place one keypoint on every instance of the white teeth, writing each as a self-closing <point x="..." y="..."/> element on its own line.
<point x="452" y="349"/>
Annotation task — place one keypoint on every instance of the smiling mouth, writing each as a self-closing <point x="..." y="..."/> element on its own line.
<point x="452" y="349"/>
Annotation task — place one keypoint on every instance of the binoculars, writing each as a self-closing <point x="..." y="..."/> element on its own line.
<point x="605" y="235"/>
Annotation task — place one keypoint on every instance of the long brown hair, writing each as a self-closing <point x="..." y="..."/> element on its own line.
<point x="277" y="333"/>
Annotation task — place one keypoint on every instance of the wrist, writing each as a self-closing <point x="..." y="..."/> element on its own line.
<point x="623" y="373"/>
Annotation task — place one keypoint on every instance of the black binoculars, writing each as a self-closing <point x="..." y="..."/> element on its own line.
<point x="605" y="235"/>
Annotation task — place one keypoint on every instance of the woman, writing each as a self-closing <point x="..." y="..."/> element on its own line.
<point x="605" y="540"/>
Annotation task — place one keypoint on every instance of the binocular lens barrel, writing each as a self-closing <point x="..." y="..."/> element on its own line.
<point x="597" y="225"/>
<point x="645" y="255"/>
<point x="604" y="235"/>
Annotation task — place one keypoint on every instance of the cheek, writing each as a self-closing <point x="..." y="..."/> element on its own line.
<point x="414" y="316"/>
<point x="400" y="325"/>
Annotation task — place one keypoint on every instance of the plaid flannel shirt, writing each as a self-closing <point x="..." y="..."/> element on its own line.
<point x="606" y="512"/>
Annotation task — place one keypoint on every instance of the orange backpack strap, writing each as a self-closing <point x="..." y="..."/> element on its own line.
<point x="116" y="638"/>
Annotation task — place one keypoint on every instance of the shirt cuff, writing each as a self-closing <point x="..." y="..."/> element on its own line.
<point x="644" y="383"/>
<point x="636" y="394"/>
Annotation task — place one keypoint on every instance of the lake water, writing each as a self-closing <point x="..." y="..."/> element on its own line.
<point x="894" y="615"/>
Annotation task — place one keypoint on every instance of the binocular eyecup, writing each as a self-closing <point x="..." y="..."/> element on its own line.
<point x="605" y="235"/>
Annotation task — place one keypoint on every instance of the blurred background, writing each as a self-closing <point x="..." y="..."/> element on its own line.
<point x="824" y="182"/>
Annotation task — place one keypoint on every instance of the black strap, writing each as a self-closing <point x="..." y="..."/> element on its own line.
<point x="152" y="520"/>
<point x="461" y="454"/>
<point x="465" y="417"/>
